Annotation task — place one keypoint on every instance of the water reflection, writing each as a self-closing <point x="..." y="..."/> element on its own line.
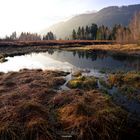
<point x="128" y="61"/>
<point x="68" y="60"/>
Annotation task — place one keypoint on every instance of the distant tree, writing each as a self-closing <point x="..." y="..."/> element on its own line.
<point x="82" y="33"/>
<point x="102" y="33"/>
<point x="13" y="36"/>
<point x="79" y="33"/>
<point x="135" y="27"/>
<point x="114" y="32"/>
<point x="87" y="32"/>
<point x="93" y="31"/>
<point x="29" y="37"/>
<point x="49" y="36"/>
<point x="74" y="36"/>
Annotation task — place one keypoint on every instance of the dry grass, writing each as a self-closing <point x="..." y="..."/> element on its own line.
<point x="31" y="110"/>
<point x="131" y="49"/>
<point x="91" y="116"/>
<point x="129" y="78"/>
<point x="24" y="110"/>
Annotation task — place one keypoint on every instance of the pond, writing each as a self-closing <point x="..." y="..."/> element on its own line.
<point x="71" y="61"/>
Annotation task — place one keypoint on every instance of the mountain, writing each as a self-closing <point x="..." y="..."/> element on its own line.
<point x="107" y="16"/>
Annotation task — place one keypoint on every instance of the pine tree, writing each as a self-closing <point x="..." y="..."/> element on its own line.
<point x="74" y="36"/>
<point x="93" y="31"/>
<point x="87" y="33"/>
<point x="79" y="33"/>
<point x="82" y="33"/>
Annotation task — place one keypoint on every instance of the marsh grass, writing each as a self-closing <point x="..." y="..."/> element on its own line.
<point x="40" y="113"/>
<point x="24" y="110"/>
<point x="91" y="117"/>
<point x="127" y="83"/>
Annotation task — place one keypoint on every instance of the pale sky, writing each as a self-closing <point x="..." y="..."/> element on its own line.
<point x="35" y="15"/>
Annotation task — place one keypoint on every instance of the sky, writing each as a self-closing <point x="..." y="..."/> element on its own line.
<point x="35" y="15"/>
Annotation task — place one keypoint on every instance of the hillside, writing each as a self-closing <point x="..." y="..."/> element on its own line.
<point x="106" y="16"/>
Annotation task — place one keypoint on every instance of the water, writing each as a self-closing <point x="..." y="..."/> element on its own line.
<point x="70" y="61"/>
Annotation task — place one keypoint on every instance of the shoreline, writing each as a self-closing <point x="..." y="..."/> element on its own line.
<point x="21" y="48"/>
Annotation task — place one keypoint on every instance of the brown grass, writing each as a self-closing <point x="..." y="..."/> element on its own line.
<point x="24" y="110"/>
<point x="91" y="116"/>
<point x="30" y="109"/>
<point x="131" y="49"/>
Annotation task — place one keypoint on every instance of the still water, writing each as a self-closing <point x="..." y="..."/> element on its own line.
<point x="70" y="61"/>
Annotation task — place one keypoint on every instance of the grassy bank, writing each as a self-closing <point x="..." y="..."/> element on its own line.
<point x="32" y="109"/>
<point x="128" y="49"/>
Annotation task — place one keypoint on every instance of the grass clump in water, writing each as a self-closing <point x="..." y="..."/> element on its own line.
<point x="83" y="82"/>
<point x="127" y="83"/>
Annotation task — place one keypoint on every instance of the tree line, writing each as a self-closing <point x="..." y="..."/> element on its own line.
<point x="26" y="36"/>
<point x="120" y="33"/>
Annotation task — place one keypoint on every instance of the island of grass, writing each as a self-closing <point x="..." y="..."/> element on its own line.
<point x="82" y="82"/>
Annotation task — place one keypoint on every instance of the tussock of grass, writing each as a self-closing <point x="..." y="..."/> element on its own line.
<point x="10" y="131"/>
<point x="83" y="82"/>
<point x="128" y="83"/>
<point x="38" y="128"/>
<point x="130" y="79"/>
<point x="92" y="117"/>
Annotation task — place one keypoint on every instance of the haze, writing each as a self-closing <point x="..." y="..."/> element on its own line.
<point x="34" y="15"/>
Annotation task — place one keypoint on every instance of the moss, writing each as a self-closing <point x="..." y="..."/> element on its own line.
<point x="83" y="83"/>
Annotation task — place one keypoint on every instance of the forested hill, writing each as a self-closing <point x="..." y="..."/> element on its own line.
<point x="107" y="16"/>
